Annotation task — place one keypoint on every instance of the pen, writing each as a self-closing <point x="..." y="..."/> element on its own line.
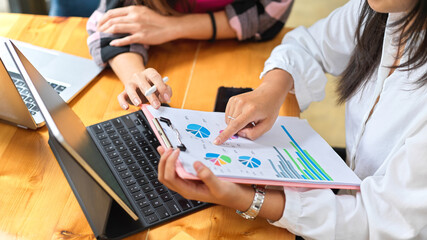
<point x="154" y="88"/>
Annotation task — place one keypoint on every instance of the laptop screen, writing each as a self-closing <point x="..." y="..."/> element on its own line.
<point x="69" y="131"/>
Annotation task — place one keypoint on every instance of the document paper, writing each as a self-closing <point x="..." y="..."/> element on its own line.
<point x="291" y="153"/>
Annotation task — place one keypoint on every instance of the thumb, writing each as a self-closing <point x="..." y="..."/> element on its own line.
<point x="206" y="175"/>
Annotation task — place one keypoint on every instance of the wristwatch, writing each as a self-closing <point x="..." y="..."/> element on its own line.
<point x="253" y="210"/>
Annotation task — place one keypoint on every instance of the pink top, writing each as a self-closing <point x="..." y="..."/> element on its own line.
<point x="203" y="6"/>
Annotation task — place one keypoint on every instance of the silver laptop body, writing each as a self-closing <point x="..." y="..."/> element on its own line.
<point x="66" y="73"/>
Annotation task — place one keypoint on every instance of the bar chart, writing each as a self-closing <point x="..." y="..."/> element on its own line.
<point x="300" y="166"/>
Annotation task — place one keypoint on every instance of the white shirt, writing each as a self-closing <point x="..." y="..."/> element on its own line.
<point x="388" y="151"/>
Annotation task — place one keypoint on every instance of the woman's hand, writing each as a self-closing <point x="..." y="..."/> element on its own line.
<point x="254" y="113"/>
<point x="139" y="83"/>
<point x="209" y="189"/>
<point x="143" y="25"/>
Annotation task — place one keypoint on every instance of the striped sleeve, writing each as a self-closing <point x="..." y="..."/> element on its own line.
<point x="99" y="42"/>
<point x="258" y="20"/>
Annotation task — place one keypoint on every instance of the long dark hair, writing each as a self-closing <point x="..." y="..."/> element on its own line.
<point x="367" y="54"/>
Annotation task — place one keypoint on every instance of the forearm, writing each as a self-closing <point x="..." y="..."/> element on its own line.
<point x="125" y="65"/>
<point x="277" y="83"/>
<point x="199" y="26"/>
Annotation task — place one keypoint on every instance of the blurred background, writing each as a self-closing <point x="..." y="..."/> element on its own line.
<point x="326" y="117"/>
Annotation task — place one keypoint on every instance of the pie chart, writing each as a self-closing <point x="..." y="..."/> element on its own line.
<point x="198" y="131"/>
<point x="249" y="162"/>
<point x="218" y="159"/>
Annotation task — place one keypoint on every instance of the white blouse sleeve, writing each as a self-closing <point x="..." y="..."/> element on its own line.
<point x="308" y="53"/>
<point x="390" y="205"/>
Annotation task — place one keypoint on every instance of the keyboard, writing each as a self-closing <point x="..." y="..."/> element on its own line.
<point x="129" y="145"/>
<point x="26" y="96"/>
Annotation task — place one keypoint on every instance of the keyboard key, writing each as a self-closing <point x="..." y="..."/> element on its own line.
<point x="102" y="136"/>
<point x="152" y="175"/>
<point x="143" y="162"/>
<point x="156" y="182"/>
<point x="117" y="161"/>
<point x="20" y="83"/>
<point x="126" y="137"/>
<point x="109" y="148"/>
<point x="129" y="123"/>
<point x="184" y="203"/>
<point x="139" y="156"/>
<point x="146" y="188"/>
<point x="152" y="218"/>
<point x="105" y="142"/>
<point x="121" y="148"/>
<point x="166" y="197"/>
<point x="125" y="174"/>
<point x="123" y="131"/>
<point x="147" y="169"/>
<point x="156" y="203"/>
<point x="130" y="143"/>
<point x="138" y="195"/>
<point x="142" y="181"/>
<point x="29" y="100"/>
<point x="137" y="174"/>
<point x="113" y="136"/>
<point x="60" y="88"/>
<point x="152" y="155"/>
<point x="155" y="162"/>
<point x="29" y="105"/>
<point x="129" y="161"/>
<point x="161" y="189"/>
<point x="121" y="167"/>
<point x="142" y="203"/>
<point x="196" y="203"/>
<point x="151" y="195"/>
<point x="113" y="154"/>
<point x="147" y="210"/>
<point x="33" y="113"/>
<point x="146" y="149"/>
<point x="110" y="130"/>
<point x="117" y="142"/>
<point x="117" y="123"/>
<point x="134" y="131"/>
<point x="163" y="213"/>
<point x="133" y="167"/>
<point x="125" y="154"/>
<point x="130" y="181"/>
<point x="53" y="85"/>
<point x="138" y="137"/>
<point x="106" y="124"/>
<point x="134" y="188"/>
<point x="173" y="207"/>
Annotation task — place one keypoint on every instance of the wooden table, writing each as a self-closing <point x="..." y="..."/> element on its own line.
<point x="36" y="201"/>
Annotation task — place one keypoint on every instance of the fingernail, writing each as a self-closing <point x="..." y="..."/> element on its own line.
<point x="112" y="43"/>
<point x="175" y="152"/>
<point x="156" y="104"/>
<point x="136" y="101"/>
<point x="125" y="107"/>
<point x="166" y="97"/>
<point x="198" y="166"/>
<point x="216" y="141"/>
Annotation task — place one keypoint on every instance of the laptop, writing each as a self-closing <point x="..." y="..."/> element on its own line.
<point x="111" y="166"/>
<point x="67" y="74"/>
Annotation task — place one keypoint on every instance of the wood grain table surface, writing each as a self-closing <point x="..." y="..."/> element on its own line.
<point x="36" y="201"/>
